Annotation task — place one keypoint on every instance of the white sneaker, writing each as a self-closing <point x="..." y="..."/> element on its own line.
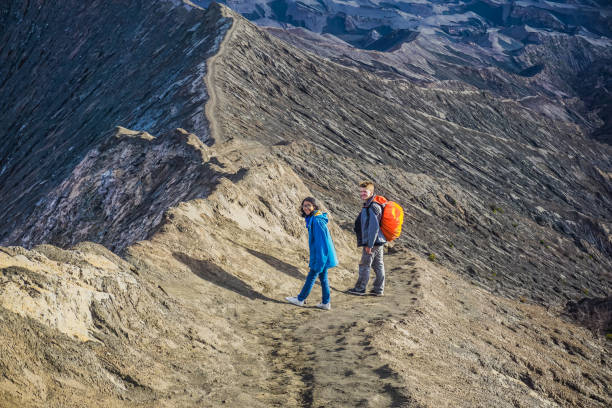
<point x="295" y="301"/>
<point x="324" y="306"/>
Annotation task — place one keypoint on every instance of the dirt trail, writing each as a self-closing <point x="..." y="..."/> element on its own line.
<point x="306" y="357"/>
<point x="322" y="358"/>
<point x="211" y="84"/>
<point x="432" y="340"/>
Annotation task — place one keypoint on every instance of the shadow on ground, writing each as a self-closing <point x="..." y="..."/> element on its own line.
<point x="285" y="267"/>
<point x="277" y="264"/>
<point x="214" y="274"/>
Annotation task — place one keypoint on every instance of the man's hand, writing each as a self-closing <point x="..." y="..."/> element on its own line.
<point x="368" y="250"/>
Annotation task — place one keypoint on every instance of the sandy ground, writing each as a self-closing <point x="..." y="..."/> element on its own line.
<point x="432" y="340"/>
<point x="186" y="331"/>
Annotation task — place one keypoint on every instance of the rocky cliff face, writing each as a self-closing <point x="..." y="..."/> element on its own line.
<point x="507" y="218"/>
<point x="119" y="191"/>
<point x="65" y="87"/>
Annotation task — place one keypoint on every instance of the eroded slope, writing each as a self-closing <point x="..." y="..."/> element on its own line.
<point x="65" y="87"/>
<point x="500" y="192"/>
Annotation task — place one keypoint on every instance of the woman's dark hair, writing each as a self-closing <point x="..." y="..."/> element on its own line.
<point x="312" y="201"/>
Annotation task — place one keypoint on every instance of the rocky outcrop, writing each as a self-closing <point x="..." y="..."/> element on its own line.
<point x="119" y="191"/>
<point x="61" y="288"/>
<point x="82" y="327"/>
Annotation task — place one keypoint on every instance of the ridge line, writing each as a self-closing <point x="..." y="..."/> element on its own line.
<point x="211" y="104"/>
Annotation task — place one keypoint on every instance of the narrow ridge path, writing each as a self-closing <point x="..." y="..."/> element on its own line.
<point x="320" y="359"/>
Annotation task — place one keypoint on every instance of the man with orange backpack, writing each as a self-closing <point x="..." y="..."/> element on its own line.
<point x="369" y="236"/>
<point x="379" y="222"/>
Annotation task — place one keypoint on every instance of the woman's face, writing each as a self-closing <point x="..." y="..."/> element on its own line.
<point x="307" y="207"/>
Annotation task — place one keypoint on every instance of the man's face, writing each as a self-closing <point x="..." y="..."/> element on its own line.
<point x="364" y="193"/>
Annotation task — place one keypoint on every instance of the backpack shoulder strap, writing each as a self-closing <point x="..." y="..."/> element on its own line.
<point x="380" y="200"/>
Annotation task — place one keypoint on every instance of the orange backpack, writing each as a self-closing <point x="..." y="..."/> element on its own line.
<point x="391" y="219"/>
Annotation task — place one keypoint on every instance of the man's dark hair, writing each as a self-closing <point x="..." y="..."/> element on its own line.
<point x="312" y="201"/>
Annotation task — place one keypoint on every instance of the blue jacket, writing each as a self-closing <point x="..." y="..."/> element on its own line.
<point x="322" y="251"/>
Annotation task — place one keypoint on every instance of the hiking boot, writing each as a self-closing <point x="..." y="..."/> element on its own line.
<point x="356" y="291"/>
<point x="376" y="293"/>
<point x="324" y="306"/>
<point x="295" y="301"/>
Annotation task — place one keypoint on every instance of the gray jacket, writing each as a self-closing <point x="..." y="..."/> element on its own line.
<point x="367" y="225"/>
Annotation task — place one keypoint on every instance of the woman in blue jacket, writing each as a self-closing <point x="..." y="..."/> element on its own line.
<point x="322" y="253"/>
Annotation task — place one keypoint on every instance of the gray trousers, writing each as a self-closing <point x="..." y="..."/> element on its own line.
<point x="374" y="261"/>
